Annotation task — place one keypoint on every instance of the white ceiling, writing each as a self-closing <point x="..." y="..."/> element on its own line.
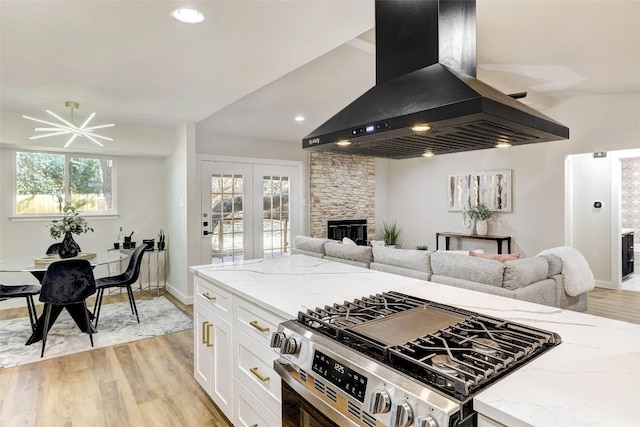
<point x="253" y="65"/>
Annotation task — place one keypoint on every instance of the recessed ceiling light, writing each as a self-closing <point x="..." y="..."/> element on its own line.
<point x="343" y="143"/>
<point x="428" y="154"/>
<point x="299" y="118"/>
<point x="503" y="145"/>
<point x="188" y="15"/>
<point x="421" y="128"/>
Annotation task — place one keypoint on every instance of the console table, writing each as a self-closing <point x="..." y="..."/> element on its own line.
<point x="498" y="239"/>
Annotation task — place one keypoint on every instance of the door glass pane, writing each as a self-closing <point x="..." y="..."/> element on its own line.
<point x="227" y="201"/>
<point x="276" y="227"/>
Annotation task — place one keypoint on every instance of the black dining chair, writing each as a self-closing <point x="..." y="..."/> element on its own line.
<point x="66" y="283"/>
<point x="124" y="280"/>
<point x="22" y="291"/>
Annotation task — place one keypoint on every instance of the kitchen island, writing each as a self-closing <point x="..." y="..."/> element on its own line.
<point x="591" y="378"/>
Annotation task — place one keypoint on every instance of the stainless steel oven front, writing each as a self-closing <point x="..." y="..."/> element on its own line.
<point x="328" y="384"/>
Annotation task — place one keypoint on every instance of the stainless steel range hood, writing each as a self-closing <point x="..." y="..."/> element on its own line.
<point x="425" y="75"/>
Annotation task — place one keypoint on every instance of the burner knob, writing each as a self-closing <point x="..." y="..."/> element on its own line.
<point x="380" y="402"/>
<point x="402" y="415"/>
<point x="276" y="339"/>
<point x="289" y="346"/>
<point x="425" y="421"/>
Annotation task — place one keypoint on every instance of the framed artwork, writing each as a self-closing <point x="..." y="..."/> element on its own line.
<point x="493" y="188"/>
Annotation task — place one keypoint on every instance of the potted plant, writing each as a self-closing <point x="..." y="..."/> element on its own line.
<point x="390" y="233"/>
<point x="479" y="213"/>
<point x="70" y="224"/>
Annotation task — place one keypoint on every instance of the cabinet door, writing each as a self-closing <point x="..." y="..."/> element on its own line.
<point x="253" y="367"/>
<point x="251" y="412"/>
<point x="222" y="372"/>
<point x="201" y="350"/>
<point x="213" y="362"/>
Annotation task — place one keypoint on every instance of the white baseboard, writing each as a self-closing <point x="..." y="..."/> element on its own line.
<point x="185" y="299"/>
<point x="606" y="285"/>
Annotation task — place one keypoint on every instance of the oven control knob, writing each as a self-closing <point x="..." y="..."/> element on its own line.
<point x="289" y="346"/>
<point x="425" y="421"/>
<point x="402" y="415"/>
<point x="276" y="339"/>
<point x="380" y="402"/>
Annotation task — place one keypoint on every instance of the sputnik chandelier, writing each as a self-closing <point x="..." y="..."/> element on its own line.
<point x="68" y="128"/>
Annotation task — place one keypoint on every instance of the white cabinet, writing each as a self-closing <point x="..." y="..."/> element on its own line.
<point x="251" y="412"/>
<point x="232" y="359"/>
<point x="213" y="361"/>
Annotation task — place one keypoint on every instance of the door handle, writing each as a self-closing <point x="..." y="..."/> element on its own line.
<point x="254" y="323"/>
<point x="261" y="377"/>
<point x="209" y="326"/>
<point x="204" y="332"/>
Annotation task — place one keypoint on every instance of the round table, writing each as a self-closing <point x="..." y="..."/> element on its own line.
<point x="28" y="264"/>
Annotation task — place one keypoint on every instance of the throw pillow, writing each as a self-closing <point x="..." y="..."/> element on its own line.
<point x="348" y="241"/>
<point x="497" y="257"/>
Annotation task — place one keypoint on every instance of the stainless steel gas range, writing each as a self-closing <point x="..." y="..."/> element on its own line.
<point x="396" y="360"/>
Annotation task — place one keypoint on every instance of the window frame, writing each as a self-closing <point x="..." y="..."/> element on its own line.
<point x="113" y="212"/>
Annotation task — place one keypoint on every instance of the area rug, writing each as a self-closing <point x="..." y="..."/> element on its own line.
<point x="116" y="326"/>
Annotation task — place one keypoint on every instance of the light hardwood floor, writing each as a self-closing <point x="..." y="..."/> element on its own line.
<point x="150" y="382"/>
<point x="144" y="383"/>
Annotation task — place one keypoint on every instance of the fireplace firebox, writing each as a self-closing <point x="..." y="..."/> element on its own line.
<point x="354" y="229"/>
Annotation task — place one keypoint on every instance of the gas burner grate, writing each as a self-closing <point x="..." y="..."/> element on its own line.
<point x="459" y="358"/>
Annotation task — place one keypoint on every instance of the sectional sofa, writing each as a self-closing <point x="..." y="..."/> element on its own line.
<point x="536" y="279"/>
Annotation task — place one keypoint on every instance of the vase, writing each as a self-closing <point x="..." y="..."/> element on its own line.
<point x="68" y="248"/>
<point x="482" y="227"/>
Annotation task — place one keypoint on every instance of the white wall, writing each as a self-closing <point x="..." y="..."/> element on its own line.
<point x="140" y="190"/>
<point x="208" y="143"/>
<point x="589" y="229"/>
<point x="179" y="202"/>
<point x="417" y="187"/>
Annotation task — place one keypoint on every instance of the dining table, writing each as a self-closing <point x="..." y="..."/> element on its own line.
<point x="37" y="265"/>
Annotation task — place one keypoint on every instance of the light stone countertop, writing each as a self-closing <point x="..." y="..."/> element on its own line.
<point x="591" y="379"/>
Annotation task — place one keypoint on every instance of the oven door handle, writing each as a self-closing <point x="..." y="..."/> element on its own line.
<point x="284" y="371"/>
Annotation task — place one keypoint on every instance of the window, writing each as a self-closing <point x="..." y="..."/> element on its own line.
<point x="45" y="182"/>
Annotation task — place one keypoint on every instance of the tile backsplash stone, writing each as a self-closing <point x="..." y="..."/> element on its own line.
<point x="341" y="187"/>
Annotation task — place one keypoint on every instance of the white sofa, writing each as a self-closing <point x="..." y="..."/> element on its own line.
<point x="535" y="279"/>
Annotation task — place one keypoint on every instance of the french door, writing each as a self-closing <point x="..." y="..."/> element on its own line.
<point x="249" y="210"/>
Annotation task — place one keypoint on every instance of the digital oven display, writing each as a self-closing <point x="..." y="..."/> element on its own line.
<point x="347" y="379"/>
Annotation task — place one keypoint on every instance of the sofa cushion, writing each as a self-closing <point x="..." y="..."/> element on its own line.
<point x="555" y="264"/>
<point x="400" y="271"/>
<point x="464" y="267"/>
<point x="406" y="258"/>
<point x="310" y="244"/>
<point x="522" y="272"/>
<point x="361" y="254"/>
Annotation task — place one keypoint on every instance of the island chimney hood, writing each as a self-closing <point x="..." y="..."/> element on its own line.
<point x="425" y="75"/>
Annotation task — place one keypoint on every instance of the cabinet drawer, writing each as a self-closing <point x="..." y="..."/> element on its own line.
<point x="216" y="299"/>
<point x="250" y="412"/>
<point x="253" y="367"/>
<point x="255" y="321"/>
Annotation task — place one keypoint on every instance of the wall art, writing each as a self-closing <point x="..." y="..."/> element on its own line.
<point x="493" y="188"/>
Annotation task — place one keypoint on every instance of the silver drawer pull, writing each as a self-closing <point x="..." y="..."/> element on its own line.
<point x="261" y="377"/>
<point x="209" y="297"/>
<point x="254" y="323"/>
